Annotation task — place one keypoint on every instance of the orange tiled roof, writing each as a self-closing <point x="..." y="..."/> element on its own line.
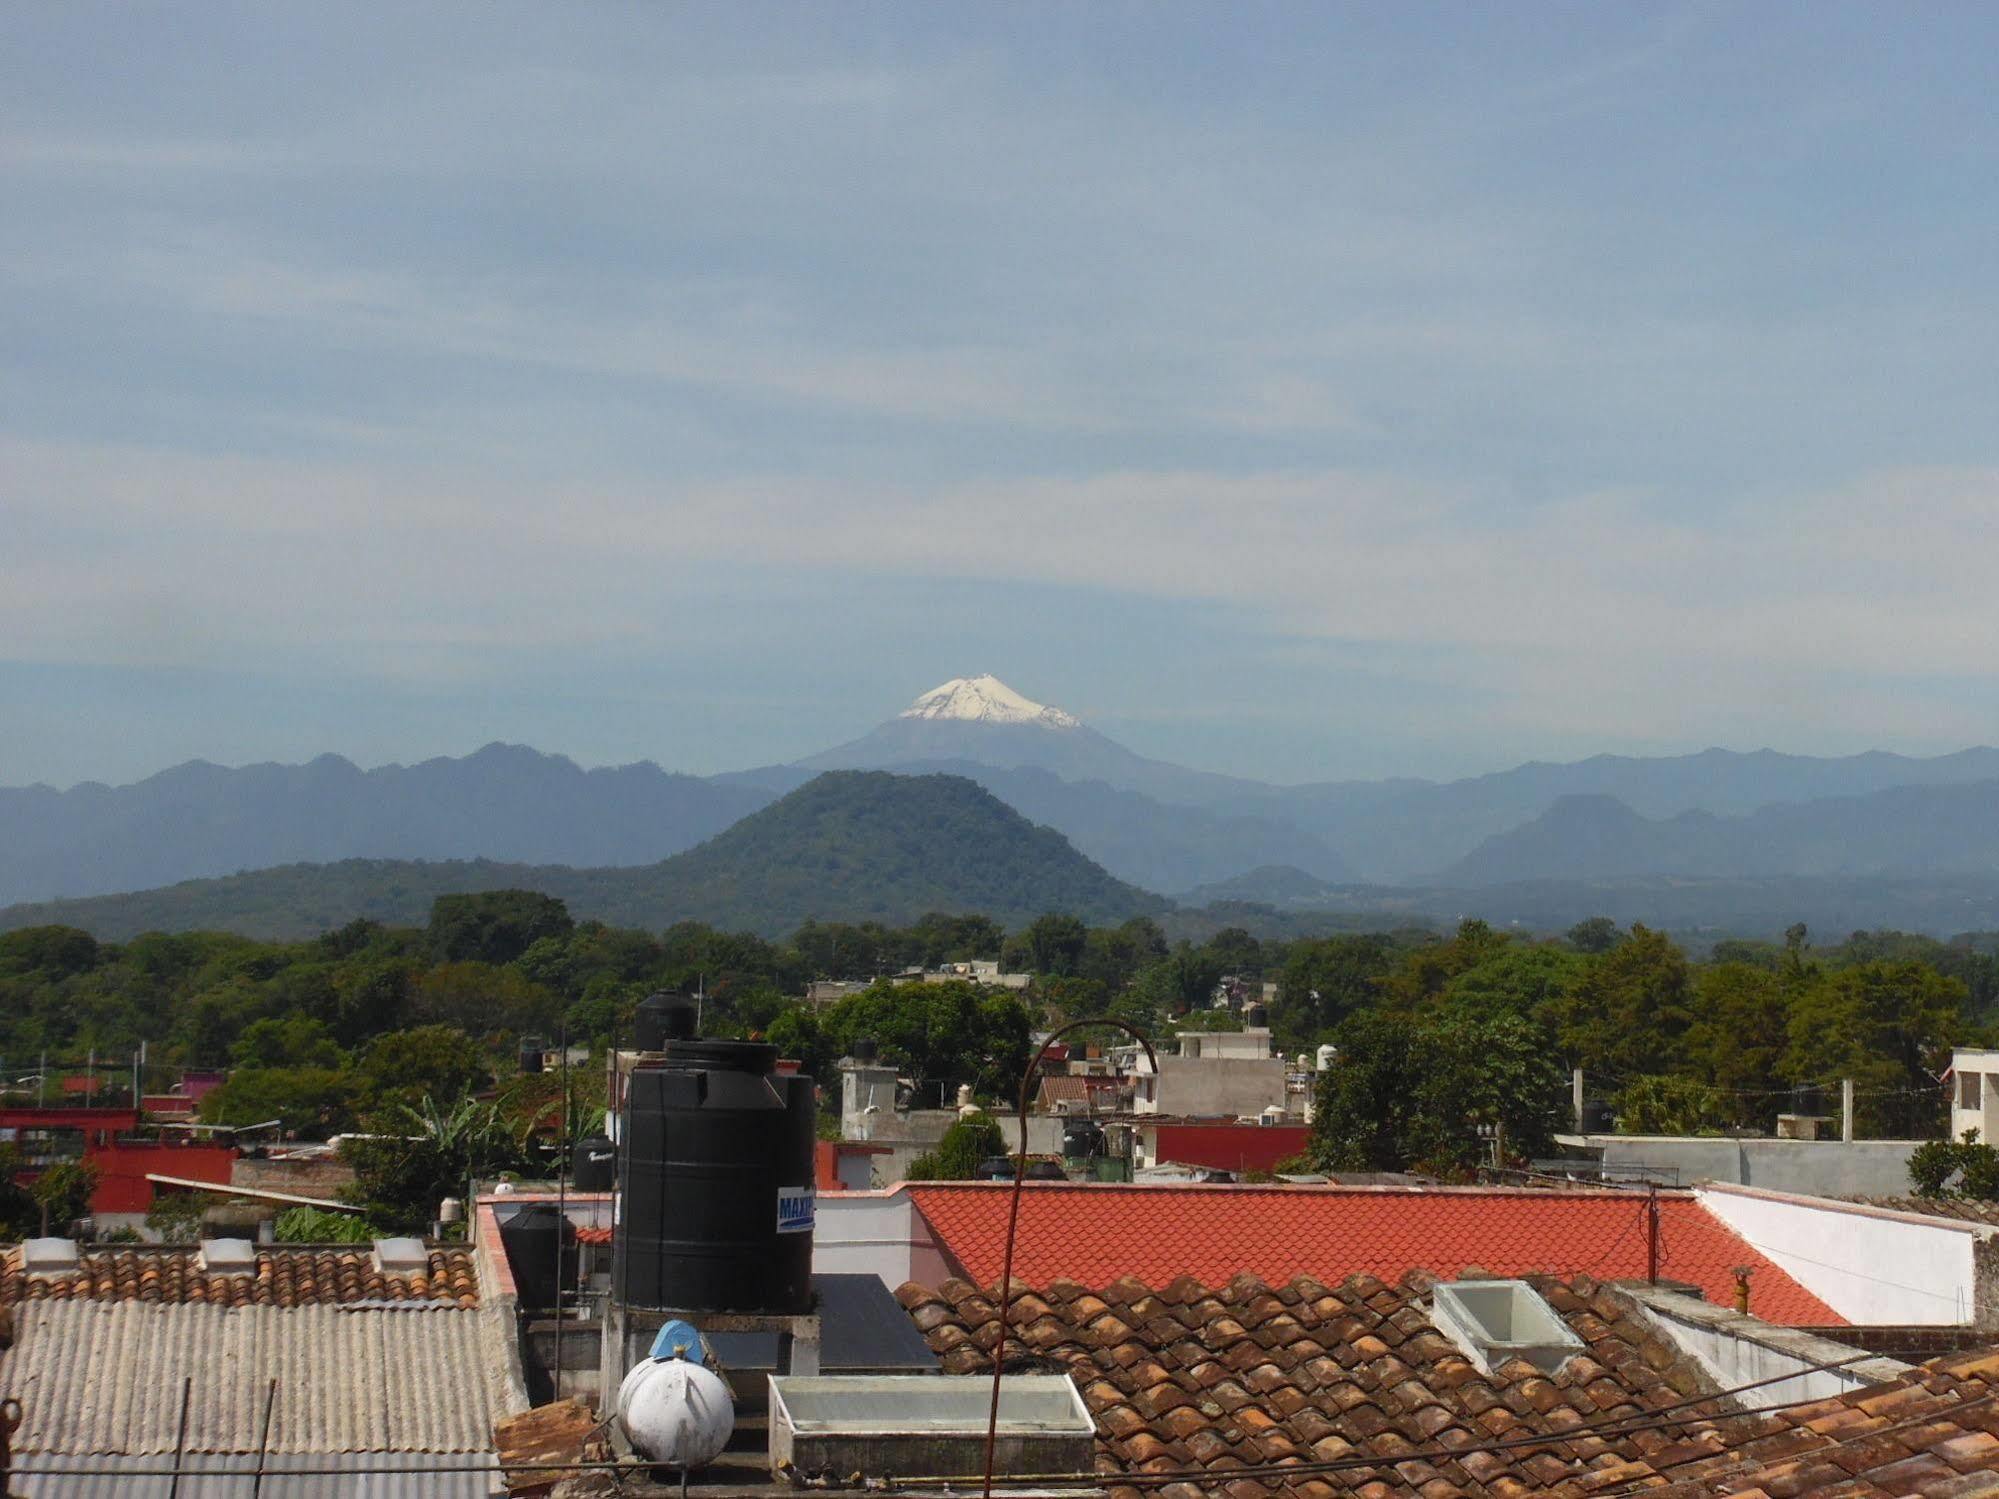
<point x="1097" y="1233"/>
<point x="285" y="1277"/>
<point x="1201" y="1382"/>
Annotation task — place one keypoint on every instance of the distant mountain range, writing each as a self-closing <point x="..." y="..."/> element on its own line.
<point x="846" y="846"/>
<point x="1716" y="815"/>
<point x="1906" y="831"/>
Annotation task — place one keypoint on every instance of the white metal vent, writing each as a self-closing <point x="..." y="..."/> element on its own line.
<point x="1496" y="1320"/>
<point x="50" y="1257"/>
<point x="228" y="1257"/>
<point x="401" y="1257"/>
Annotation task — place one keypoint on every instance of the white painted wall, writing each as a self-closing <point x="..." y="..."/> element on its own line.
<point x="1974" y="1099"/>
<point x="1735" y="1350"/>
<point x="1868" y="1265"/>
<point x="879" y="1234"/>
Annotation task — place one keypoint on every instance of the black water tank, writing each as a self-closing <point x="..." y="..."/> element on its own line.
<point x="864" y="1049"/>
<point x="1808" y="1099"/>
<point x="533" y="1049"/>
<point x="1082" y="1138"/>
<point x="535" y="1239"/>
<point x="594" y="1166"/>
<point x="1599" y="1118"/>
<point x="662" y="1018"/>
<point x="715" y="1174"/>
<point x="1257" y="1018"/>
<point x="996" y="1168"/>
<point x="1046" y="1171"/>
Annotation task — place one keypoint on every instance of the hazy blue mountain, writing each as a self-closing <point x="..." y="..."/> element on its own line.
<point x="1399" y="831"/>
<point x="847" y="846"/>
<point x="1907" y="830"/>
<point x="505" y="802"/>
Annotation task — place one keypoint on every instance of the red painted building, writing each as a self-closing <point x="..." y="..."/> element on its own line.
<point x="108" y="1140"/>
<point x="1230" y="1147"/>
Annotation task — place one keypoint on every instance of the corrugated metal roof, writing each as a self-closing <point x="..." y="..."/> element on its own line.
<point x="112" y="1478"/>
<point x="106" y="1377"/>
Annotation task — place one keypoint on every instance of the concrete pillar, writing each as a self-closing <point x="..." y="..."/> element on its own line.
<point x="1846" y="1109"/>
<point x="1576" y="1097"/>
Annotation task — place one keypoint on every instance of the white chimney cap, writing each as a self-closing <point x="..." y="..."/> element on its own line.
<point x="227" y="1257"/>
<point x="50" y="1256"/>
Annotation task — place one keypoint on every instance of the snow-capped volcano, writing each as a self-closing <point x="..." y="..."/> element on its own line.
<point x="986" y="699"/>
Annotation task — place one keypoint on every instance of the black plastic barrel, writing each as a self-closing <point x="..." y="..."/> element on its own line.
<point x="533" y="1051"/>
<point x="535" y="1239"/>
<point x="1257" y="1018"/>
<point x="715" y="1175"/>
<point x="864" y="1049"/>
<point x="594" y="1164"/>
<point x="996" y="1168"/>
<point x="1046" y="1171"/>
<point x="1082" y="1139"/>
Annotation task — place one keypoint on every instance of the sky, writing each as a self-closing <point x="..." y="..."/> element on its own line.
<point x="1303" y="391"/>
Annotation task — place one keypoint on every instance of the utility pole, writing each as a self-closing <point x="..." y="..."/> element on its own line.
<point x="1652" y="1233"/>
<point x="1576" y="1097"/>
<point x="1846" y="1109"/>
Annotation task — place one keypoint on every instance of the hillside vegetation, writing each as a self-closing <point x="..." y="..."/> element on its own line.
<point x="847" y="846"/>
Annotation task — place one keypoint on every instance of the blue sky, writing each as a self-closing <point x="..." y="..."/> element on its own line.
<point x="1302" y="391"/>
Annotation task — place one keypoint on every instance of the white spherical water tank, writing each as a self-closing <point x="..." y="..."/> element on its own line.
<point x="677" y="1413"/>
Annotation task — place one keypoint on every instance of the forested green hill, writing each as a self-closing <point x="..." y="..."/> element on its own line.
<point x="847" y="846"/>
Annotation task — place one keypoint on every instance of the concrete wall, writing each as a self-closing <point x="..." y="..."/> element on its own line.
<point x="876" y="1233"/>
<point x="1867" y="1264"/>
<point x="1813" y="1168"/>
<point x="1212" y="1087"/>
<point x="1734" y="1350"/>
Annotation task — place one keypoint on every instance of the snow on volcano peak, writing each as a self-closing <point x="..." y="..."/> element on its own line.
<point x="986" y="699"/>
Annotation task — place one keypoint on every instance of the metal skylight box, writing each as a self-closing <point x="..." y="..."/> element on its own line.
<point x="1497" y="1320"/>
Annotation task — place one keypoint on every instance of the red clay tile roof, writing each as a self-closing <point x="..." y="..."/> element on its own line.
<point x="285" y="1277"/>
<point x="1213" y="1383"/>
<point x="1096" y="1233"/>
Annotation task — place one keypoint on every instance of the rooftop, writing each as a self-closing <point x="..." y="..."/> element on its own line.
<point x="285" y="1276"/>
<point x="1233" y="1384"/>
<point x="1095" y="1234"/>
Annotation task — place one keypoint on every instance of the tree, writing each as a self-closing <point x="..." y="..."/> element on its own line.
<point x="1595" y="934"/>
<point x="1889" y="1027"/>
<point x="1629" y="1010"/>
<point x="61" y="1194"/>
<point x="1739" y="1042"/>
<point x="310" y="1101"/>
<point x="1669" y="1106"/>
<point x="494" y="926"/>
<point x="967" y="1144"/>
<point x="295" y="1041"/>
<point x="1053" y="944"/>
<point x="1414" y="1091"/>
<point x="1324" y="982"/>
<point x="410" y="1159"/>
<point x="436" y="1061"/>
<point x="942" y="1034"/>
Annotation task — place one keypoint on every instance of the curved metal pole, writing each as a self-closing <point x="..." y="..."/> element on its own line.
<point x="1013" y="1212"/>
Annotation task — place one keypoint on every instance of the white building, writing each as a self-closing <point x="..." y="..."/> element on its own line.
<point x="1217" y="1074"/>
<point x="1974" y="1096"/>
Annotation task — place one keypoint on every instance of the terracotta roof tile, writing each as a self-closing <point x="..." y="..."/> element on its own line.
<point x="1182" y="1239"/>
<point x="304" y="1276"/>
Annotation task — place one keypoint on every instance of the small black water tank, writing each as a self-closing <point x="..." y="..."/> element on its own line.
<point x="715" y="1173"/>
<point x="1808" y="1099"/>
<point x="594" y="1165"/>
<point x="662" y="1018"/>
<point x="1599" y="1118"/>
<point x="1046" y="1171"/>
<point x="1256" y="1018"/>
<point x="536" y="1239"/>
<point x="1082" y="1138"/>
<point x="864" y="1049"/>
<point x="533" y="1048"/>
<point x="996" y="1168"/>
